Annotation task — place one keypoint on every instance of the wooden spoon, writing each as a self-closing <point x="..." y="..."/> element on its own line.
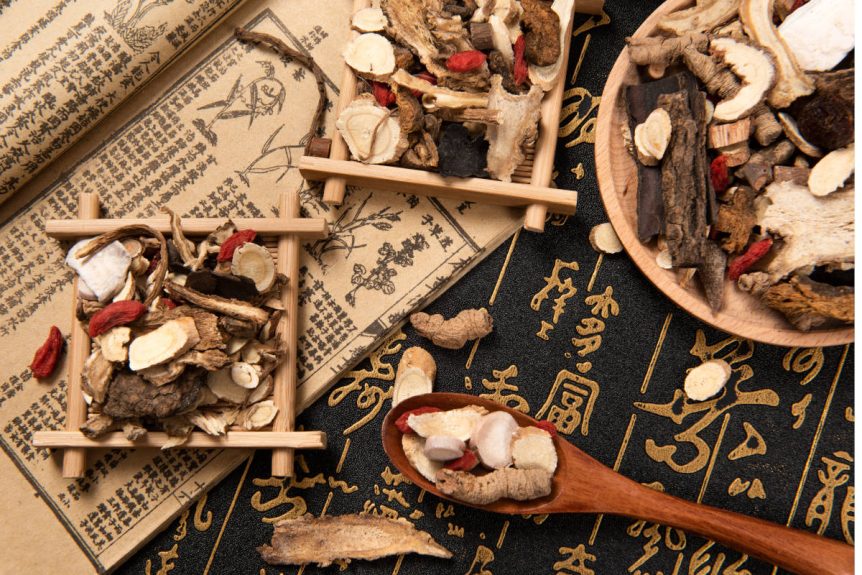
<point x="583" y="485"/>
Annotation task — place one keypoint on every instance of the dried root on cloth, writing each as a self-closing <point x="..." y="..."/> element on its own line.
<point x="327" y="539"/>
<point x="165" y="353"/>
<point x="767" y="198"/>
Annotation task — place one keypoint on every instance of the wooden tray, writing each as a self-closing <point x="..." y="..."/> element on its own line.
<point x="284" y="234"/>
<point x="742" y="314"/>
<point x="529" y="186"/>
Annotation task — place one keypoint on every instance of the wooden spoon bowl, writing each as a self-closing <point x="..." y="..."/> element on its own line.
<point x="583" y="485"/>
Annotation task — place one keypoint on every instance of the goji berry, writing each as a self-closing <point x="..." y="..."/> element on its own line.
<point x="45" y="360"/>
<point x="545" y="425"/>
<point x="464" y="463"/>
<point x="401" y="422"/>
<point x="382" y="94"/>
<point x="117" y="313"/>
<point x="744" y="262"/>
<point x="521" y="71"/>
<point x="154" y="263"/>
<point x="232" y="243"/>
<point x="719" y="175"/>
<point x="465" y="61"/>
<point x="168" y="303"/>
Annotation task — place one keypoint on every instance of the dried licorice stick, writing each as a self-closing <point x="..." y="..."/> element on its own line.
<point x="279" y="47"/>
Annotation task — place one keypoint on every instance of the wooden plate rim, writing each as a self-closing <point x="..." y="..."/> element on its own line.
<point x="644" y="257"/>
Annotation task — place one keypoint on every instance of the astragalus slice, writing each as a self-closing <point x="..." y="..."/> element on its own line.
<point x="323" y="540"/>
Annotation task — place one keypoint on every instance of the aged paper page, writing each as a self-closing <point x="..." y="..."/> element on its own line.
<point x="218" y="134"/>
<point x="65" y="64"/>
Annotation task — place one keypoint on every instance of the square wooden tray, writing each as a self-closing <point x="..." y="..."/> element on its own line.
<point x="530" y="183"/>
<point x="283" y="235"/>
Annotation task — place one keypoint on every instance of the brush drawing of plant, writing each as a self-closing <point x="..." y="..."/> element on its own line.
<point x="342" y="235"/>
<point x="138" y="38"/>
<point x="380" y="277"/>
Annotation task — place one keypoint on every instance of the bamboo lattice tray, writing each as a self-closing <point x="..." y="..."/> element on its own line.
<point x="530" y="183"/>
<point x="282" y="235"/>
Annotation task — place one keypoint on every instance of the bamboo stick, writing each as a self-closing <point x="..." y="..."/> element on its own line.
<point x="75" y="460"/>
<point x="75" y="441"/>
<point x="311" y="228"/>
<point x="285" y="375"/>
<point x="333" y="189"/>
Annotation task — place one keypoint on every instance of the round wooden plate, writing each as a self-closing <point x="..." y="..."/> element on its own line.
<point x="741" y="314"/>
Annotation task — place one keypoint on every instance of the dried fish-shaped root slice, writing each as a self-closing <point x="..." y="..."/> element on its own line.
<point x="297" y="541"/>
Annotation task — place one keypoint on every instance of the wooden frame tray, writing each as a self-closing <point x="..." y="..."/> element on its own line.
<point x="287" y="230"/>
<point x="530" y="183"/>
<point x="742" y="314"/>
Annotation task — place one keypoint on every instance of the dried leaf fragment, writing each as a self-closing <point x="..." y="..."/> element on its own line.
<point x="297" y="541"/>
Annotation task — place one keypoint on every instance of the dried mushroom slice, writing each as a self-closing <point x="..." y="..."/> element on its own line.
<point x="371" y="133"/>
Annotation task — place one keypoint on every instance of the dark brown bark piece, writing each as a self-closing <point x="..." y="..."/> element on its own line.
<point x="736" y="219"/>
<point x="711" y="274"/>
<point x="129" y="395"/>
<point x="826" y="118"/>
<point x="808" y="304"/>
<point x="542" y="35"/>
<point x="758" y="170"/>
<point x="229" y="286"/>
<point x="683" y="194"/>
<point x="497" y="65"/>
<point x="641" y="100"/>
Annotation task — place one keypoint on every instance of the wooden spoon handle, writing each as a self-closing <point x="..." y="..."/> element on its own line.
<point x="792" y="549"/>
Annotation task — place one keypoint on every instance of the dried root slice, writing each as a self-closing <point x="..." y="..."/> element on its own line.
<point x="808" y="304"/>
<point x="415" y="375"/>
<point x="128" y="291"/>
<point x="370" y="55"/>
<point x="662" y="260"/>
<point x="791" y="82"/>
<point x="223" y="386"/>
<point x="97" y="376"/>
<point x="244" y="375"/>
<point x="104" y="273"/>
<point x="163" y="344"/>
<point x="414" y="450"/>
<point x="652" y="137"/>
<point x="330" y="538"/>
<point x="518" y="128"/>
<point x="371" y="133"/>
<point x="98" y="424"/>
<point x="262" y="391"/>
<point x="238" y="310"/>
<point x="829" y="174"/>
<point x="500" y="38"/>
<point x="533" y="448"/>
<point x="453" y="333"/>
<point x="435" y="97"/>
<point x="814" y="230"/>
<point x="702" y="17"/>
<point x="254" y="261"/>
<point x="493" y="439"/>
<point x="257" y="415"/>
<point x="819" y="33"/>
<point x="113" y="343"/>
<point x="369" y="20"/>
<point x="213" y="422"/>
<point x="546" y="76"/>
<point x="443" y="448"/>
<point x="178" y="428"/>
<point x="707" y="379"/>
<point x="791" y="130"/>
<point x="163" y="374"/>
<point x="508" y="483"/>
<point x="756" y="72"/>
<point x="458" y="423"/>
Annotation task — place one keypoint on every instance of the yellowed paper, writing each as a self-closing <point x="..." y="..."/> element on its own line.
<point x="219" y="133"/>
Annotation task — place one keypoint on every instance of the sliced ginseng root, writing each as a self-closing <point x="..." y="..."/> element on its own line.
<point x="415" y="375"/>
<point x="707" y="379"/>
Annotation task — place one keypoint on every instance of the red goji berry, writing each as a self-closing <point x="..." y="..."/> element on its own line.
<point x="45" y="360"/>
<point x="168" y="303"/>
<point x="465" y="61"/>
<point x="545" y="425"/>
<point x="744" y="262"/>
<point x="521" y="71"/>
<point x="232" y="243"/>
<point x="117" y="313"/>
<point x="154" y="263"/>
<point x="464" y="463"/>
<point x="719" y="175"/>
<point x="401" y="422"/>
<point x="382" y="94"/>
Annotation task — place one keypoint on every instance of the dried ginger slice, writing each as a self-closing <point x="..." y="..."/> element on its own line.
<point x="327" y="539"/>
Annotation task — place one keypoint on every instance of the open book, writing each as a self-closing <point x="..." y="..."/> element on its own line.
<point x="151" y="103"/>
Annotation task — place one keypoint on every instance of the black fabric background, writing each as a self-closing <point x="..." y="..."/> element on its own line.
<point x="227" y="544"/>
